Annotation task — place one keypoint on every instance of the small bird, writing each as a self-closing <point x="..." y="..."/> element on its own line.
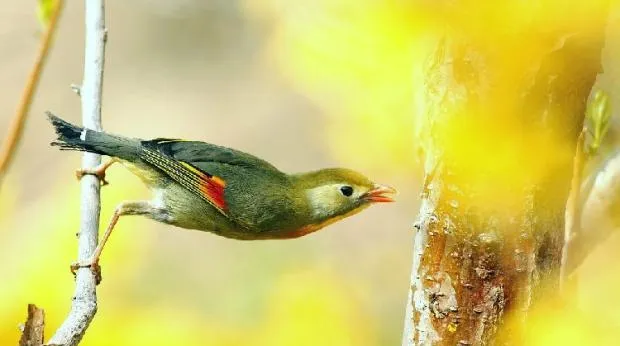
<point x="197" y="185"/>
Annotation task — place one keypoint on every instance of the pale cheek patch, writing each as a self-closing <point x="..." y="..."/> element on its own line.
<point x="83" y="135"/>
<point x="325" y="199"/>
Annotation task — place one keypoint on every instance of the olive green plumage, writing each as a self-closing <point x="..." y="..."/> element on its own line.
<point x="207" y="187"/>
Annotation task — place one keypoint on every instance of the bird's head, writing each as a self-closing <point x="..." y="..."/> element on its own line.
<point x="335" y="193"/>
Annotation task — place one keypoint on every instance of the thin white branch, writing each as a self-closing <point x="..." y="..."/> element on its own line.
<point x="84" y="305"/>
<point x="599" y="218"/>
<point x="572" y="215"/>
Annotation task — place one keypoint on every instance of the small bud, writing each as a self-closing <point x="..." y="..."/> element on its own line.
<point x="76" y="89"/>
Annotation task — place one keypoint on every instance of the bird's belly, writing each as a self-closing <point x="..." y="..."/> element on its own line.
<point x="149" y="176"/>
<point x="189" y="211"/>
<point x="182" y="208"/>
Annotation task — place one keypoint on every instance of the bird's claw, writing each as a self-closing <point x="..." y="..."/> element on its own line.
<point x="94" y="267"/>
<point x="98" y="173"/>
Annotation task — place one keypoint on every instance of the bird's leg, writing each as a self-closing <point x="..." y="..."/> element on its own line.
<point x="98" y="171"/>
<point x="124" y="208"/>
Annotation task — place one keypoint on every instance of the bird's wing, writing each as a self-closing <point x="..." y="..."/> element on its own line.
<point x="200" y="152"/>
<point x="206" y="185"/>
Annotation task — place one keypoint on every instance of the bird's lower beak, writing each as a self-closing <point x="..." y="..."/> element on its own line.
<point x="378" y="193"/>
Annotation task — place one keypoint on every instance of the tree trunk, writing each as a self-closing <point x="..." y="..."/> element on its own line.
<point x="501" y="103"/>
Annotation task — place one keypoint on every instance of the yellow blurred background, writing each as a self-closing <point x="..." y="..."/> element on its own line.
<point x="302" y="86"/>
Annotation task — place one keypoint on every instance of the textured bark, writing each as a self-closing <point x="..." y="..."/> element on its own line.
<point x="486" y="246"/>
<point x="33" y="332"/>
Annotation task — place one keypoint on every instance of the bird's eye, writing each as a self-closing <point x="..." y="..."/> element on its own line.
<point x="346" y="190"/>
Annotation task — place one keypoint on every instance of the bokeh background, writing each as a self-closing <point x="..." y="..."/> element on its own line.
<point x="303" y="86"/>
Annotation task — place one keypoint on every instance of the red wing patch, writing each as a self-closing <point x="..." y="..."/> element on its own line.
<point x="211" y="187"/>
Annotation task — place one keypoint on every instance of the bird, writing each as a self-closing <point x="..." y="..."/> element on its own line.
<point x="230" y="193"/>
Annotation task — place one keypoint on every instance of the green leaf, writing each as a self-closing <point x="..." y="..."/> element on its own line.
<point x="44" y="11"/>
<point x="598" y="115"/>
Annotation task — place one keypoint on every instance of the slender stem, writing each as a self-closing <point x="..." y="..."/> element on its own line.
<point x="16" y="127"/>
<point x="598" y="215"/>
<point x="84" y="304"/>
<point x="572" y="224"/>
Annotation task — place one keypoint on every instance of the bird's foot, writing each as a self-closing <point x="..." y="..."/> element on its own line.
<point x="99" y="172"/>
<point x="94" y="267"/>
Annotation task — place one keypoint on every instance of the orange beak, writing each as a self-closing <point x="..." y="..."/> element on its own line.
<point x="378" y="194"/>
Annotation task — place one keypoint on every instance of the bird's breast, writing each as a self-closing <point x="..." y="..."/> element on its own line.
<point x="313" y="227"/>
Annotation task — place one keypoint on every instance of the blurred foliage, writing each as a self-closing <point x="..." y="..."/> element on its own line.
<point x="49" y="239"/>
<point x="356" y="63"/>
<point x="364" y="64"/>
<point x="589" y="316"/>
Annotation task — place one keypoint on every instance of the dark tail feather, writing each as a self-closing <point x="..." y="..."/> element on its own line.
<point x="73" y="137"/>
<point x="68" y="134"/>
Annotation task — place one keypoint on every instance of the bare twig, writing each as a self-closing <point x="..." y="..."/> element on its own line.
<point x="32" y="334"/>
<point x="84" y="304"/>
<point x="11" y="140"/>
<point x="572" y="224"/>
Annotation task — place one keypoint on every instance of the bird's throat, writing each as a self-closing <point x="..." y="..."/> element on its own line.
<point x="311" y="228"/>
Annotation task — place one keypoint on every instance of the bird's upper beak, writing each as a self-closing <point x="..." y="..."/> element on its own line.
<point x="378" y="193"/>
